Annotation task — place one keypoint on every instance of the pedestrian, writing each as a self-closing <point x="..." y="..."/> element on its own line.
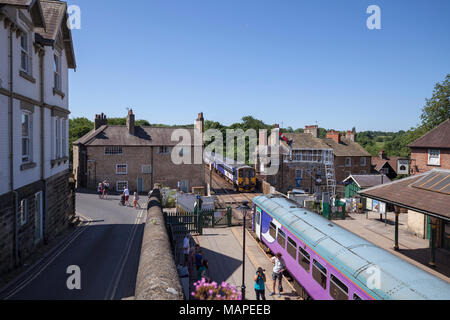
<point x="260" y="287"/>
<point x="100" y="191"/>
<point x="105" y="189"/>
<point x="186" y="250"/>
<point x="202" y="272"/>
<point x="198" y="258"/>
<point x="136" y="201"/>
<point x="126" y="193"/>
<point x="279" y="266"/>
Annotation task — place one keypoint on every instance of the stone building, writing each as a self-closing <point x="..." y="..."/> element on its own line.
<point x="139" y="157"/>
<point x="36" y="197"/>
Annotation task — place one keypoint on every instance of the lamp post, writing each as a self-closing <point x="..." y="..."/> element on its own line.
<point x="244" y="208"/>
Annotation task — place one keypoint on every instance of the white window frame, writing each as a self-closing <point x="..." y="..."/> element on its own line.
<point x="164" y="150"/>
<point x="348" y="162"/>
<point x="436" y="155"/>
<point x="147" y="169"/>
<point x="113" y="151"/>
<point x="57" y="71"/>
<point x="123" y="165"/>
<point x="27" y="158"/>
<point x="23" y="211"/>
<point x="57" y="138"/>
<point x="64" y="137"/>
<point x="296" y="173"/>
<point x="122" y="183"/>
<point x="363" y="161"/>
<point x="25" y="52"/>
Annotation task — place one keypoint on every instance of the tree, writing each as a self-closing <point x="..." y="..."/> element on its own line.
<point x="78" y="127"/>
<point x="437" y="109"/>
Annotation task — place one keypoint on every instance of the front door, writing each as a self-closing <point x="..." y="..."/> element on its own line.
<point x="140" y="184"/>
<point x="258" y="216"/>
<point x="38" y="217"/>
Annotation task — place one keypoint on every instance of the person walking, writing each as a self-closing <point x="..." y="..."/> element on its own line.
<point x="126" y="193"/>
<point x="186" y="250"/>
<point x="198" y="258"/>
<point x="260" y="287"/>
<point x="136" y="201"/>
<point x="202" y="272"/>
<point x="100" y="191"/>
<point x="105" y="189"/>
<point x="279" y="266"/>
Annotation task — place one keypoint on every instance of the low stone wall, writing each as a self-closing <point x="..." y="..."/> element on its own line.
<point x="157" y="277"/>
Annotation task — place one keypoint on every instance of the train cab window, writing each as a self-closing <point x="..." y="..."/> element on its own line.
<point x="356" y="297"/>
<point x="241" y="173"/>
<point x="292" y="248"/>
<point x="252" y="173"/>
<point x="338" y="290"/>
<point x="320" y="274"/>
<point x="273" y="231"/>
<point x="304" y="259"/>
<point x="281" y="239"/>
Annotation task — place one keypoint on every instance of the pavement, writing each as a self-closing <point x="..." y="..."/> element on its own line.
<point x="413" y="249"/>
<point x="106" y="248"/>
<point x="222" y="247"/>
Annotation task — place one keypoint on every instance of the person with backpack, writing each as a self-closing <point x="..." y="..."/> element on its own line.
<point x="260" y="280"/>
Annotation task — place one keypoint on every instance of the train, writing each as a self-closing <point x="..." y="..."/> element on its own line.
<point x="242" y="177"/>
<point x="331" y="263"/>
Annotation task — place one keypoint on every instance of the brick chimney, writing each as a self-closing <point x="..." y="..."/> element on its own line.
<point x="382" y="155"/>
<point x="100" y="120"/>
<point x="313" y="130"/>
<point x="335" y="135"/>
<point x="351" y="135"/>
<point x="130" y="122"/>
<point x="200" y="123"/>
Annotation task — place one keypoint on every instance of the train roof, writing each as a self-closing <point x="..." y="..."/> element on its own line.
<point x="220" y="159"/>
<point x="354" y="256"/>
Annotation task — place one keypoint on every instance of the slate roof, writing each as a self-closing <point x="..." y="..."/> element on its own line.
<point x="306" y="141"/>
<point x="369" y="180"/>
<point x="346" y="148"/>
<point x="438" y="138"/>
<point x="402" y="193"/>
<point x="119" y="136"/>
<point x="33" y="6"/>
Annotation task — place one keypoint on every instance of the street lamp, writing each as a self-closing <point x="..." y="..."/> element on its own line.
<point x="244" y="208"/>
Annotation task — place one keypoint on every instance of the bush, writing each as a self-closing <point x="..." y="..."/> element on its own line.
<point x="212" y="291"/>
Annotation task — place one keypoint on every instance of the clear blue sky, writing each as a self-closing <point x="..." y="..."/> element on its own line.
<point x="288" y="62"/>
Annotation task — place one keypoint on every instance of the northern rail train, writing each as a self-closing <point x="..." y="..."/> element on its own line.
<point x="242" y="177"/>
<point x="331" y="263"/>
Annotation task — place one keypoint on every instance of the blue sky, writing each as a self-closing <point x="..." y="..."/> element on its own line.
<point x="289" y="62"/>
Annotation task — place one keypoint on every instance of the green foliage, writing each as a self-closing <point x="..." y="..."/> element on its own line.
<point x="437" y="109"/>
<point x="78" y="127"/>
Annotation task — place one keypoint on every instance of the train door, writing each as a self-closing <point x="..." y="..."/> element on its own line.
<point x="258" y="218"/>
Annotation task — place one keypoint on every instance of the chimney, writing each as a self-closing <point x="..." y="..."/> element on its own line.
<point x="335" y="135"/>
<point x="351" y="135"/>
<point x="382" y="155"/>
<point x="200" y="123"/>
<point x="130" y="122"/>
<point x="313" y="130"/>
<point x="100" y="120"/>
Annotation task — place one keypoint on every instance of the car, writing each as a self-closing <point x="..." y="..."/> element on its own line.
<point x="298" y="191"/>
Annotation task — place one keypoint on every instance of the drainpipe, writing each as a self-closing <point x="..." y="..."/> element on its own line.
<point x="11" y="148"/>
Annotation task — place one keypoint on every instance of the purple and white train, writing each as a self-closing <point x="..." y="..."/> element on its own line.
<point x="331" y="263"/>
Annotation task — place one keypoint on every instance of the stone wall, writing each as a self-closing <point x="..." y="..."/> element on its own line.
<point x="6" y="232"/>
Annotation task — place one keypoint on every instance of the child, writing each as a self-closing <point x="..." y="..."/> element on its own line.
<point x="100" y="191"/>
<point x="136" y="201"/>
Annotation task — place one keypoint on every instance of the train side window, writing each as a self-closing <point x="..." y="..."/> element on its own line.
<point x="304" y="259"/>
<point x="273" y="231"/>
<point x="281" y="238"/>
<point x="338" y="290"/>
<point x="292" y="248"/>
<point x="356" y="297"/>
<point x="320" y="274"/>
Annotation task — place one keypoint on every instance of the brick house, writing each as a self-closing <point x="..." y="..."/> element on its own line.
<point x="390" y="166"/>
<point x="36" y="196"/>
<point x="137" y="157"/>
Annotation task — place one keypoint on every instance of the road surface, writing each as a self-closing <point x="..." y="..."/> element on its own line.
<point x="106" y="250"/>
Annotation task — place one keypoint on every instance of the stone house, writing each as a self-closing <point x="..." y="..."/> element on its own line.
<point x="36" y="197"/>
<point x="139" y="157"/>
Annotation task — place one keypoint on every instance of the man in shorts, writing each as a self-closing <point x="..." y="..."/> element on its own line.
<point x="279" y="266"/>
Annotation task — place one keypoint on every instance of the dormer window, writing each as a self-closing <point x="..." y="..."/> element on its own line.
<point x="57" y="72"/>
<point x="25" y="53"/>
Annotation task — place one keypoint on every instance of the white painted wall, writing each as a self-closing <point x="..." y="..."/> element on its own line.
<point x="4" y="145"/>
<point x="4" y="72"/>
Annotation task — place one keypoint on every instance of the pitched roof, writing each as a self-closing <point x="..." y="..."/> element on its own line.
<point x="404" y="193"/>
<point x="306" y="141"/>
<point x="379" y="163"/>
<point x="346" y="148"/>
<point x="119" y="136"/>
<point x="369" y="180"/>
<point x="33" y="6"/>
<point x="439" y="137"/>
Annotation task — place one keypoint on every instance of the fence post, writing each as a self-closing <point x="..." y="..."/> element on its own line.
<point x="213" y="219"/>
<point x="229" y="215"/>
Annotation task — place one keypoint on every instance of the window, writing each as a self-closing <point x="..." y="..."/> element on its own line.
<point x="320" y="274"/>
<point x="120" y="185"/>
<point x="26" y="137"/>
<point x="348" y="162"/>
<point x="281" y="238"/>
<point x="304" y="259"/>
<point x="122" y="169"/>
<point x="57" y="138"/>
<point x="113" y="151"/>
<point x="292" y="248"/>
<point x="434" y="157"/>
<point x="57" y="71"/>
<point x="164" y="150"/>
<point x="298" y="173"/>
<point x="338" y="290"/>
<point x="25" y="53"/>
<point x="347" y="174"/>
<point x="363" y="172"/>
<point x="273" y="231"/>
<point x="147" y="169"/>
<point x="64" y="137"/>
<point x="363" y="162"/>
<point x="356" y="297"/>
<point x="23" y="211"/>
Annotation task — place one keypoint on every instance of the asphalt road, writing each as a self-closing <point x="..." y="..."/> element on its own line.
<point x="106" y="250"/>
